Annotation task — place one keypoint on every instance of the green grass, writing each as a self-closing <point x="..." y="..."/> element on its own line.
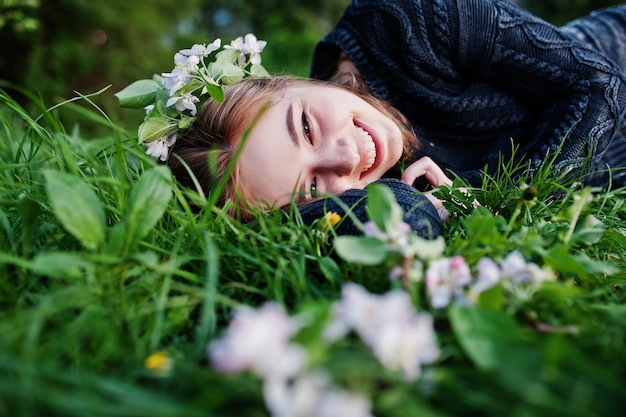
<point x="103" y="262"/>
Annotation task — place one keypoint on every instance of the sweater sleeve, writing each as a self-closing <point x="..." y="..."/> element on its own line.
<point x="577" y="92"/>
<point x="473" y="76"/>
<point x="351" y="205"/>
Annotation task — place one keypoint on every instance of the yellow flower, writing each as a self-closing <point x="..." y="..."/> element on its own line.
<point x="160" y="363"/>
<point x="331" y="218"/>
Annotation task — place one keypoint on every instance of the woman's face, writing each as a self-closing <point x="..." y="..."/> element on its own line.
<point x="315" y="140"/>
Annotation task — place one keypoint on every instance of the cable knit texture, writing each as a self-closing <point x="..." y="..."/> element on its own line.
<point x="479" y="77"/>
<point x="419" y="212"/>
<point x="476" y="77"/>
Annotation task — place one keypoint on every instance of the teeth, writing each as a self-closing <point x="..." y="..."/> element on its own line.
<point x="369" y="147"/>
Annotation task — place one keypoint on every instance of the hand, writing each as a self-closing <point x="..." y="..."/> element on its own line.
<point x="427" y="168"/>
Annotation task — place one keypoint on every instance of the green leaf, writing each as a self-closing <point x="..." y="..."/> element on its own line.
<point x="429" y="248"/>
<point x="485" y="335"/>
<point x="492" y="298"/>
<point x="482" y="227"/>
<point x="60" y="265"/>
<point x="573" y="213"/>
<point x="589" y="231"/>
<point x="138" y="95"/>
<point x="258" y="70"/>
<point x="231" y="73"/>
<point x="154" y="128"/>
<point x="225" y="56"/>
<point x="559" y="258"/>
<point x="147" y="203"/>
<point x="216" y="92"/>
<point x="77" y="207"/>
<point x="382" y="207"/>
<point x="362" y="250"/>
<point x="330" y="269"/>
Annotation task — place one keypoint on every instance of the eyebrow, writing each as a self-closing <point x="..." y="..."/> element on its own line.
<point x="291" y="127"/>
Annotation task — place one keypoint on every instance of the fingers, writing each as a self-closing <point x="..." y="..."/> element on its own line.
<point x="427" y="168"/>
<point x="444" y="214"/>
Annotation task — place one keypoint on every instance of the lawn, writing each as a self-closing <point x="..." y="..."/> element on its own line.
<point x="119" y="298"/>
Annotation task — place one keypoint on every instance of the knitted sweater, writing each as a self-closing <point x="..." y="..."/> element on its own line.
<point x="478" y="77"/>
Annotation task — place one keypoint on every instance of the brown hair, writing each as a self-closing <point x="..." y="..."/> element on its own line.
<point x="208" y="146"/>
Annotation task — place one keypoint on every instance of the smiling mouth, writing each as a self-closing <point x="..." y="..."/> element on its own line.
<point x="369" y="147"/>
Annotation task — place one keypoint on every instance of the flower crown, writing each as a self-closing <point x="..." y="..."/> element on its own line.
<point x="172" y="99"/>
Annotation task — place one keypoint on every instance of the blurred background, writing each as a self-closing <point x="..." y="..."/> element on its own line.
<point x="53" y="48"/>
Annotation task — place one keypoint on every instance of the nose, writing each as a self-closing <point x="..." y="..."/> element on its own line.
<point x="341" y="159"/>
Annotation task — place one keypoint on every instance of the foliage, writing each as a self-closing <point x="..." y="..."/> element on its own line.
<point x="113" y="286"/>
<point x="56" y="48"/>
<point x="170" y="98"/>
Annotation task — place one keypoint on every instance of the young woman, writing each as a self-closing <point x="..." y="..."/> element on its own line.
<point x="475" y="79"/>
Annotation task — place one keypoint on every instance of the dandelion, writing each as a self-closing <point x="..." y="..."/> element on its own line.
<point x="331" y="218"/>
<point x="160" y="363"/>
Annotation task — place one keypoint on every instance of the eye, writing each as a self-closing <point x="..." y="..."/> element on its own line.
<point x="313" y="187"/>
<point x="306" y="128"/>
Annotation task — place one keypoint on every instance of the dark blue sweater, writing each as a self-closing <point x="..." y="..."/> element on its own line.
<point x="478" y="77"/>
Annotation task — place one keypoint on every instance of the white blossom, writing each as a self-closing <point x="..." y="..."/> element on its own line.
<point x="253" y="48"/>
<point x="177" y="79"/>
<point x="258" y="340"/>
<point x="488" y="275"/>
<point x="160" y="148"/>
<point x="295" y="398"/>
<point x="389" y="325"/>
<point x="312" y="395"/>
<point x="201" y="51"/>
<point x="185" y="101"/>
<point x="515" y="267"/>
<point x="445" y="279"/>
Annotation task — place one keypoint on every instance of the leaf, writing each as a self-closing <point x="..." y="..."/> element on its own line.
<point x="138" y="95"/>
<point x="485" y="335"/>
<point x="482" y="227"/>
<point x="382" y="208"/>
<point x="492" y="298"/>
<point x="330" y="269"/>
<point x="147" y="203"/>
<point x="573" y="213"/>
<point x="60" y="265"/>
<point x="429" y="248"/>
<point x="362" y="250"/>
<point x="231" y="73"/>
<point x="589" y="231"/>
<point x="225" y="56"/>
<point x="77" y="207"/>
<point x="216" y="92"/>
<point x="258" y="70"/>
<point x="154" y="128"/>
<point x="559" y="258"/>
